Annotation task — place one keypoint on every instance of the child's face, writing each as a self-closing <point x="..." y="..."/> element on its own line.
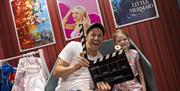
<point x="77" y="15"/>
<point x="122" y="40"/>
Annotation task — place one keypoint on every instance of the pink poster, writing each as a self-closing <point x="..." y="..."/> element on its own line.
<point x="75" y="12"/>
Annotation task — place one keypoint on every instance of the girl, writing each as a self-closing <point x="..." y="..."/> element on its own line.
<point x="137" y="84"/>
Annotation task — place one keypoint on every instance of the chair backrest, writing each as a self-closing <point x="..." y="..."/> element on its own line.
<point x="147" y="70"/>
<point x="108" y="47"/>
<point x="52" y="81"/>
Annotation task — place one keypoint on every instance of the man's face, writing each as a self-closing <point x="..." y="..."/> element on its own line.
<point x="94" y="39"/>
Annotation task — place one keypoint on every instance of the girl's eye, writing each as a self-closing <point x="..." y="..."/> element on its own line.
<point x="119" y="41"/>
<point x="124" y="39"/>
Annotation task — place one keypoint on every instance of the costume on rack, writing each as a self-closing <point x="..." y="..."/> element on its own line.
<point x="132" y="85"/>
<point x="7" y="77"/>
<point x="29" y="76"/>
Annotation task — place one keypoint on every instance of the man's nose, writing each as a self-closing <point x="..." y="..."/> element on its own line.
<point x="96" y="37"/>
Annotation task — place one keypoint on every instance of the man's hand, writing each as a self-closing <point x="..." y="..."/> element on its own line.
<point x="103" y="86"/>
<point x="80" y="62"/>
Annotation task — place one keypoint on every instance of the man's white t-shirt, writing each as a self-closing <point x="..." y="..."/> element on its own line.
<point x="80" y="79"/>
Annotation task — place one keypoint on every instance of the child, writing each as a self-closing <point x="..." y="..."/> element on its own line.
<point x="137" y="84"/>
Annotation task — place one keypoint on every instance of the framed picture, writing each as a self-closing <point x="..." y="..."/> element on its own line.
<point x="32" y="24"/>
<point x="178" y="2"/>
<point x="75" y="12"/>
<point x="127" y="12"/>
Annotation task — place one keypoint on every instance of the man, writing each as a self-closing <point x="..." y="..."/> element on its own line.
<point x="72" y="67"/>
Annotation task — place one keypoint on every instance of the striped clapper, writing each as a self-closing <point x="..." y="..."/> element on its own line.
<point x="112" y="68"/>
<point x="83" y="40"/>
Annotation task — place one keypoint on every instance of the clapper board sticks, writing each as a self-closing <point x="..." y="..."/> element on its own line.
<point x="112" y="68"/>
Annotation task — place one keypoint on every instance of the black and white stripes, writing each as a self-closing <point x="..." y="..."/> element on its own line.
<point x="108" y="56"/>
<point x="83" y="40"/>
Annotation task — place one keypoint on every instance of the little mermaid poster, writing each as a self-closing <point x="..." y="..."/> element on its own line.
<point x="128" y="12"/>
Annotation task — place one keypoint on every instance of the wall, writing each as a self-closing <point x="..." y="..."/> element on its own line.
<point x="158" y="39"/>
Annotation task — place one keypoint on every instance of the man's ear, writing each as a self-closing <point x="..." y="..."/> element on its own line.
<point x="85" y="36"/>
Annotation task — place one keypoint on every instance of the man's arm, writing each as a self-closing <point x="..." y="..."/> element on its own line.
<point x="63" y="69"/>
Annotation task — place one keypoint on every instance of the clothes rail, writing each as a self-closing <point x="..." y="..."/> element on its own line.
<point x="41" y="54"/>
<point x="7" y="59"/>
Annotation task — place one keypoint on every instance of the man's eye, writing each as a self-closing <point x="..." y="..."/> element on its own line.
<point x="99" y="35"/>
<point x="93" y="35"/>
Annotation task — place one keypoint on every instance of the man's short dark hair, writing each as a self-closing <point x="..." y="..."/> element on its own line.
<point x="95" y="25"/>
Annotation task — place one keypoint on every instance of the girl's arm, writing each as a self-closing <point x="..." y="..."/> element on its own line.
<point x="141" y="75"/>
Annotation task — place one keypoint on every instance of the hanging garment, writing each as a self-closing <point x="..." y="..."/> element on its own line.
<point x="29" y="76"/>
<point x="1" y="80"/>
<point x="7" y="74"/>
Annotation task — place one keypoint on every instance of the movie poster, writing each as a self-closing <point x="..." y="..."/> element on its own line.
<point x="127" y="12"/>
<point x="32" y="23"/>
<point x="75" y="12"/>
<point x="178" y="2"/>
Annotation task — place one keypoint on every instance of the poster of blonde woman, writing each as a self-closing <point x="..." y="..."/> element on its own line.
<point x="76" y="12"/>
<point x="32" y="23"/>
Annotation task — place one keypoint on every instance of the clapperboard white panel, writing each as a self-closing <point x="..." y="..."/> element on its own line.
<point x="112" y="68"/>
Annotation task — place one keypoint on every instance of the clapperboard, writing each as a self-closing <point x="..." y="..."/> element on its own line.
<point x="112" y="68"/>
